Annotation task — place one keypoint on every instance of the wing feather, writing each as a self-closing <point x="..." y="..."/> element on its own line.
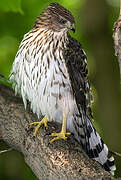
<point x="76" y="63"/>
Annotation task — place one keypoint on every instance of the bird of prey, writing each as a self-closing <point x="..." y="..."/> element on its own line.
<point x="50" y="71"/>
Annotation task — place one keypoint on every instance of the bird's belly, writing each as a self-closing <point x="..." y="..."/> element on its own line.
<point x="47" y="87"/>
<point x="55" y="99"/>
<point x="54" y="94"/>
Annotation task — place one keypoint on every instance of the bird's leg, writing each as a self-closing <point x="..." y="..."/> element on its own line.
<point x="63" y="133"/>
<point x="44" y="121"/>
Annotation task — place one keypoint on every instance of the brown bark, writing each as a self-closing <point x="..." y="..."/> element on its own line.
<point x="60" y="160"/>
<point x="117" y="39"/>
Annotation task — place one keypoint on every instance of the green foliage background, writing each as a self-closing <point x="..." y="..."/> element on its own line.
<point x="94" y="24"/>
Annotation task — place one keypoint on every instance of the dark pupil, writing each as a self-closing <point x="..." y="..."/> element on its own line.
<point x="62" y="21"/>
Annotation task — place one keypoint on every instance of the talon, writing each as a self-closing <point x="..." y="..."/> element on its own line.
<point x="47" y="134"/>
<point x="44" y="121"/>
<point x="63" y="133"/>
<point x="60" y="135"/>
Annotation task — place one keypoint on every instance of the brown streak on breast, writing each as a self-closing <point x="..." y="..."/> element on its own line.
<point x="37" y="42"/>
<point x="45" y="51"/>
<point x="35" y="30"/>
<point x="56" y="44"/>
<point x="48" y="62"/>
<point x="27" y="38"/>
<point x="34" y="55"/>
<point x="62" y="73"/>
<point x="32" y="51"/>
<point x="39" y="49"/>
<point x="51" y="57"/>
<point x="45" y="88"/>
<point x="39" y="79"/>
<point x="28" y="51"/>
<point x="53" y="76"/>
<point x="45" y="71"/>
<point x="26" y="56"/>
<point x="63" y="84"/>
<point x="17" y="54"/>
<point x="51" y="83"/>
<point x="23" y="46"/>
<point x="37" y="36"/>
<point x="56" y="71"/>
<point x="26" y="72"/>
<point x="60" y="96"/>
<point x="53" y="52"/>
<point x="42" y="57"/>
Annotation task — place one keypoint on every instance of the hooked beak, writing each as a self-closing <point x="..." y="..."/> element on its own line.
<point x="72" y="28"/>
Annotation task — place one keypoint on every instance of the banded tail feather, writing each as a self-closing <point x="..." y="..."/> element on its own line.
<point x="92" y="143"/>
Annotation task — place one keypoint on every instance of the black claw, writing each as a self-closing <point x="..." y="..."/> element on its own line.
<point x="47" y="133"/>
<point x="34" y="138"/>
<point x="48" y="143"/>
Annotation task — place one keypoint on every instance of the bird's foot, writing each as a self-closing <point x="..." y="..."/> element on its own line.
<point x="61" y="135"/>
<point x="44" y="121"/>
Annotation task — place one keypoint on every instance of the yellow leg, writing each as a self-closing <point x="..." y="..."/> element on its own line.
<point x="43" y="121"/>
<point x="62" y="134"/>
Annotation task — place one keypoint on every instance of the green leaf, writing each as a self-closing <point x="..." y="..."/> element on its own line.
<point x="11" y="5"/>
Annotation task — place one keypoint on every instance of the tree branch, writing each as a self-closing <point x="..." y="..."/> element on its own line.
<point x="60" y="160"/>
<point x="120" y="7"/>
<point x="117" y="38"/>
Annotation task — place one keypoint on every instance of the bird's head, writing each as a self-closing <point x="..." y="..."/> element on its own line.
<point x="56" y="18"/>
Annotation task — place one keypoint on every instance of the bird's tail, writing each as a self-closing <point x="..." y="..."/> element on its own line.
<point x="92" y="143"/>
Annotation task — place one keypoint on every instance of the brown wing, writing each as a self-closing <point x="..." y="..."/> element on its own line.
<point x="76" y="63"/>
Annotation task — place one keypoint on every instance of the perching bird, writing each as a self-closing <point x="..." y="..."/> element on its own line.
<point x="50" y="71"/>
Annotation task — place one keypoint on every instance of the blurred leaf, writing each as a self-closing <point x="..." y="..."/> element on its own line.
<point x="11" y="5"/>
<point x="8" y="48"/>
<point x="115" y="3"/>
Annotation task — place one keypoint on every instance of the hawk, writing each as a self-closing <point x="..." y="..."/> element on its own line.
<point x="50" y="71"/>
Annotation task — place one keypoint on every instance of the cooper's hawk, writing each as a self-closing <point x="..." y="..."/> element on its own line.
<point x="50" y="70"/>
